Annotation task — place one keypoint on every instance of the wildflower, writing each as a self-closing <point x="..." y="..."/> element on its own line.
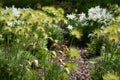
<point x="113" y="39"/>
<point x="9" y="23"/>
<point x="82" y="17"/>
<point x="100" y="15"/>
<point x="26" y="35"/>
<point x="35" y="35"/>
<point x="33" y="45"/>
<point x="76" y="33"/>
<point x="70" y="27"/>
<point x="70" y="16"/>
<point x="49" y="33"/>
<point x="110" y="76"/>
<point x="73" y="53"/>
<point x="8" y="29"/>
<point x="97" y="33"/>
<point x="45" y="35"/>
<point x="41" y="29"/>
<point x="15" y="11"/>
<point x="19" y="30"/>
<point x="94" y="13"/>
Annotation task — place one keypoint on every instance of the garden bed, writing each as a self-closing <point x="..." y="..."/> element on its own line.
<point x="48" y="44"/>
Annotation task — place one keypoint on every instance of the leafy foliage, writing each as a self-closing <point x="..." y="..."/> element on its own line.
<point x="105" y="43"/>
<point x="24" y="40"/>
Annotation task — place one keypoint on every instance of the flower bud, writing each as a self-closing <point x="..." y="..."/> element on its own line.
<point x="61" y="53"/>
<point x="67" y="70"/>
<point x="61" y="62"/>
<point x="29" y="63"/>
<point x="35" y="63"/>
<point x="53" y="54"/>
<point x="27" y="69"/>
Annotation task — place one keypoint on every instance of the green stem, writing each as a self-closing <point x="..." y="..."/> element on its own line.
<point x="71" y="43"/>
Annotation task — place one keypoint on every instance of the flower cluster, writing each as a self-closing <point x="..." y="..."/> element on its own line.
<point x="95" y="18"/>
<point x="71" y="16"/>
<point x="95" y="14"/>
<point x="99" y="14"/>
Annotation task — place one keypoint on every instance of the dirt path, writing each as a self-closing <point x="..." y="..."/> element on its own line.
<point x="83" y="71"/>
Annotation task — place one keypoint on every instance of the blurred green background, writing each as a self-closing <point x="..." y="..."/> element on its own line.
<point x="68" y="5"/>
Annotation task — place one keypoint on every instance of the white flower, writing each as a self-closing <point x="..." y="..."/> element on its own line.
<point x="99" y="14"/>
<point x="9" y="23"/>
<point x="82" y="17"/>
<point x="14" y="10"/>
<point x="17" y="22"/>
<point x="70" y="16"/>
<point x="95" y="13"/>
<point x="70" y="27"/>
